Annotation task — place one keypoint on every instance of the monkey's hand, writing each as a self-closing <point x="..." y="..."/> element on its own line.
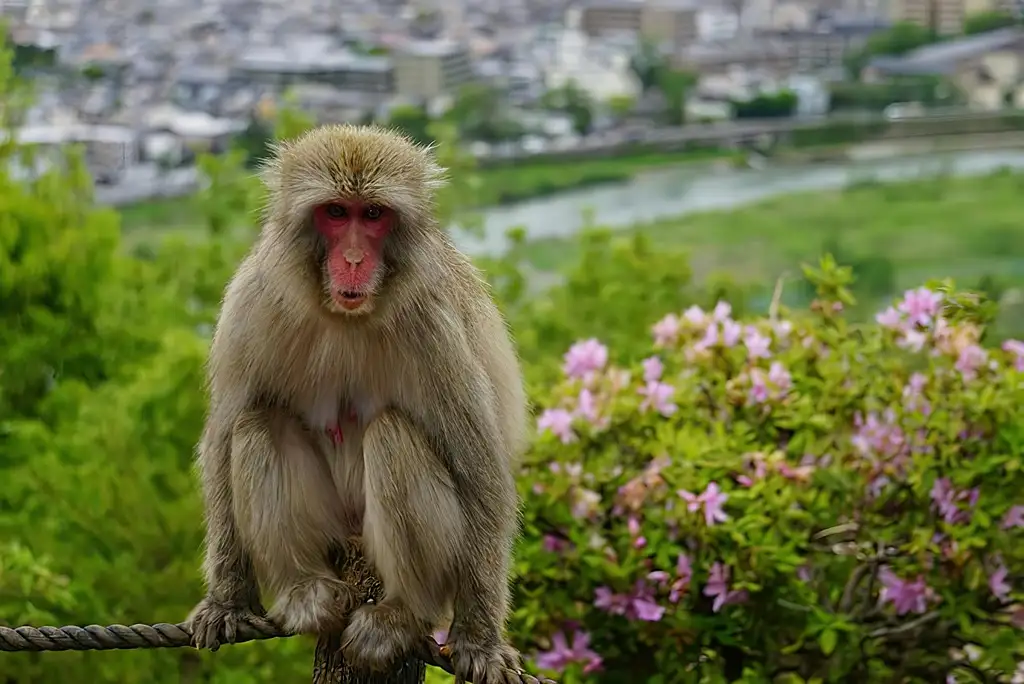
<point x="214" y="622"/>
<point x="482" y="661"/>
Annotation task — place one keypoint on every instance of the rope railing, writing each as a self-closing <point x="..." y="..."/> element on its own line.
<point x="164" y="635"/>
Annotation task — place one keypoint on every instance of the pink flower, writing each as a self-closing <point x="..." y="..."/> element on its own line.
<point x="710" y="338"/>
<point x="1013" y="518"/>
<point x="876" y="437"/>
<point x="639" y="605"/>
<point x="559" y="423"/>
<point x="585" y="357"/>
<point x="905" y="596"/>
<point x="695" y="315"/>
<point x="757" y="344"/>
<point x="912" y="394"/>
<point x="684" y="573"/>
<point x="971" y="358"/>
<point x="920" y="305"/>
<point x="666" y="331"/>
<point x="657" y="396"/>
<point x="653" y="368"/>
<point x="586" y="408"/>
<point x="997" y="583"/>
<point x="585" y="503"/>
<point x="780" y="377"/>
<point x="718" y="587"/>
<point x="722" y="312"/>
<point x="946" y="500"/>
<point x="731" y="331"/>
<point x="890" y="318"/>
<point x="912" y="340"/>
<point x="711" y="500"/>
<point x="562" y="655"/>
<point x="758" y="386"/>
<point x="553" y="544"/>
<point x="782" y="329"/>
<point x="1015" y="347"/>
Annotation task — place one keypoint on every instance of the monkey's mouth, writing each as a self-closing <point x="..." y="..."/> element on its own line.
<point x="350" y="299"/>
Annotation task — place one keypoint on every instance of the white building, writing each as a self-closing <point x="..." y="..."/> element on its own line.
<point x="601" y="68"/>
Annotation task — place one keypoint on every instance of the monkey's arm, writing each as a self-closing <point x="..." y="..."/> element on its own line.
<point x="232" y="589"/>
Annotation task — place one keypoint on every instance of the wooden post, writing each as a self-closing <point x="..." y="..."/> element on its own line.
<point x="329" y="666"/>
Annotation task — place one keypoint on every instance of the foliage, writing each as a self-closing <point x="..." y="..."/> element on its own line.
<point x="575" y="102"/>
<point x="621" y="106"/>
<point x="479" y="113"/>
<point x="413" y="121"/>
<point x="982" y="22"/>
<point x="675" y="85"/>
<point x="899" y="39"/>
<point x="783" y="499"/>
<point x="648" y="63"/>
<point x="766" y="105"/>
<point x="928" y="90"/>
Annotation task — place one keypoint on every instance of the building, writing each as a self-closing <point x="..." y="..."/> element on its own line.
<point x="599" y="17"/>
<point x="316" y="60"/>
<point x="825" y="43"/>
<point x="987" y="68"/>
<point x="769" y="56"/>
<point x="109" y="150"/>
<point x="946" y="17"/>
<point x="669" y="22"/>
<point x="429" y="69"/>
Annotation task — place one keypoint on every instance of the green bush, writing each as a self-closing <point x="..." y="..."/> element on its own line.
<point x="788" y="499"/>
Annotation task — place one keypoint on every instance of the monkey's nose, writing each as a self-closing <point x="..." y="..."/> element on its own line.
<point x="353" y="255"/>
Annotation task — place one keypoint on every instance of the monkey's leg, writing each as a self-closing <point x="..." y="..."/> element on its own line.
<point x="289" y="514"/>
<point x="411" y="533"/>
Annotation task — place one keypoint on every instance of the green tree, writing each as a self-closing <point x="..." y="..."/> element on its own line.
<point x="675" y="85"/>
<point x="572" y="100"/>
<point x="648" y="63"/>
<point x="621" y="106"/>
<point x="480" y="113"/>
<point x="899" y="39"/>
<point x="254" y="141"/>
<point x="412" y="120"/>
<point x="982" y="22"/>
<point x="767" y="105"/>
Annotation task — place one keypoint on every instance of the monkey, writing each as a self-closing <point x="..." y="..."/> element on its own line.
<point x="362" y="383"/>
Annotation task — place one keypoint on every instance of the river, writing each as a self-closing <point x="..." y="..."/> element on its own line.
<point x="675" y="191"/>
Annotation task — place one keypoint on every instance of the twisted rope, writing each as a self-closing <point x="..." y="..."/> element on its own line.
<point x="163" y="635"/>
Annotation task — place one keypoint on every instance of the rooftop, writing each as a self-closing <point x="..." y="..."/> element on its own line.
<point x="943" y="58"/>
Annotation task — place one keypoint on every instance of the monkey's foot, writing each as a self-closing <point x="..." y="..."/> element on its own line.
<point x="214" y="622"/>
<point x="316" y="605"/>
<point x="482" y="662"/>
<point x="379" y="635"/>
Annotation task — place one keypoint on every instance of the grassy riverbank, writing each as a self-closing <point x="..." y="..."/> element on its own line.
<point x="938" y="227"/>
<point x="498" y="185"/>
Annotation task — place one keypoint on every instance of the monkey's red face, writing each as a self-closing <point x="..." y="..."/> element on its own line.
<point x="354" y="234"/>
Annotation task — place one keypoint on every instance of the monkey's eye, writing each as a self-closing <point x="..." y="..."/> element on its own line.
<point x="373" y="213"/>
<point x="336" y="211"/>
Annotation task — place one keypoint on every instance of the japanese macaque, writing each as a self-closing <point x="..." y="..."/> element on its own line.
<point x="362" y="384"/>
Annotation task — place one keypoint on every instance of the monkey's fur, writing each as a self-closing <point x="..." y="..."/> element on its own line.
<point x="425" y="384"/>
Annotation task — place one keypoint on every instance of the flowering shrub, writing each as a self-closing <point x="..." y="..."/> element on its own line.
<point x="791" y="499"/>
